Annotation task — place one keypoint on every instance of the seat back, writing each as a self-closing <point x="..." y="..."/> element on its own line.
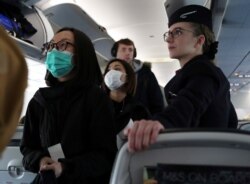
<point x="184" y="148"/>
<point x="245" y="126"/>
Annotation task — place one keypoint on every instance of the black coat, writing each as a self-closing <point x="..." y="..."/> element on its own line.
<point x="81" y="119"/>
<point x="198" y="96"/>
<point x="128" y="109"/>
<point x="148" y="91"/>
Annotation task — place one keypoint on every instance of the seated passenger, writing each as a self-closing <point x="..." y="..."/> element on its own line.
<point x="73" y="116"/>
<point x="13" y="81"/>
<point x="198" y="95"/>
<point x="120" y="85"/>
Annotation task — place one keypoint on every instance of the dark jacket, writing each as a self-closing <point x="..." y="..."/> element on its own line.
<point x="128" y="109"/>
<point x="81" y="119"/>
<point x="148" y="91"/>
<point x="198" y="96"/>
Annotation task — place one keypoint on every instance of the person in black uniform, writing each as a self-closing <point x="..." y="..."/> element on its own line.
<point x="198" y="95"/>
<point x="120" y="84"/>
<point x="73" y="116"/>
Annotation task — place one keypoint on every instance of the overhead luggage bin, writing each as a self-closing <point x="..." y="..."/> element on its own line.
<point x="47" y="19"/>
<point x="222" y="151"/>
<point x="31" y="44"/>
<point x="71" y="15"/>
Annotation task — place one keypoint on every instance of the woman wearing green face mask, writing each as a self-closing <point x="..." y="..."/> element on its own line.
<point x="69" y="115"/>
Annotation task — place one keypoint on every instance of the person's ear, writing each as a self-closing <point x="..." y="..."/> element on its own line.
<point x="200" y="40"/>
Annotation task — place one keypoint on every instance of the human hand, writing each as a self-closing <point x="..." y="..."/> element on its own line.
<point x="45" y="161"/>
<point x="55" y="166"/>
<point x="142" y="134"/>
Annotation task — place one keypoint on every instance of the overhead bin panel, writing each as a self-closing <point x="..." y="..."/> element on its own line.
<point x="31" y="44"/>
<point x="218" y="11"/>
<point x="29" y="2"/>
<point x="71" y="15"/>
<point x="103" y="47"/>
<point x="172" y="5"/>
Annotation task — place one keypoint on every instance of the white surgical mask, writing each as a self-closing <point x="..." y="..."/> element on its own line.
<point x="113" y="80"/>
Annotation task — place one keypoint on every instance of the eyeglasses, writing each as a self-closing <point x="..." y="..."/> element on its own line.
<point x="175" y="33"/>
<point x="60" y="46"/>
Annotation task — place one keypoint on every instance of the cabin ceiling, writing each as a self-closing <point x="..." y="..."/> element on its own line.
<point x="234" y="45"/>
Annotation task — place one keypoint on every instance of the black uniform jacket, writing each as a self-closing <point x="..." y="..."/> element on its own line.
<point x="81" y="119"/>
<point x="128" y="109"/>
<point x="198" y="96"/>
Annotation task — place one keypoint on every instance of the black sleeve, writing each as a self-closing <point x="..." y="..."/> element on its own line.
<point x="155" y="97"/>
<point x="233" y="119"/>
<point x="189" y="104"/>
<point x="140" y="112"/>
<point x="30" y="144"/>
<point x="99" y="160"/>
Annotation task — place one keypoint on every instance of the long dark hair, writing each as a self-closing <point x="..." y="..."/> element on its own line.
<point x="130" y="86"/>
<point x="87" y="70"/>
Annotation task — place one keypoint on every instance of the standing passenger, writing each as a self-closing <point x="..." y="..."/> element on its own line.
<point x="120" y="83"/>
<point x="198" y="95"/>
<point x="72" y="116"/>
<point x="148" y="91"/>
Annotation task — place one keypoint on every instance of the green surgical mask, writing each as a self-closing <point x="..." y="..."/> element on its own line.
<point x="59" y="62"/>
